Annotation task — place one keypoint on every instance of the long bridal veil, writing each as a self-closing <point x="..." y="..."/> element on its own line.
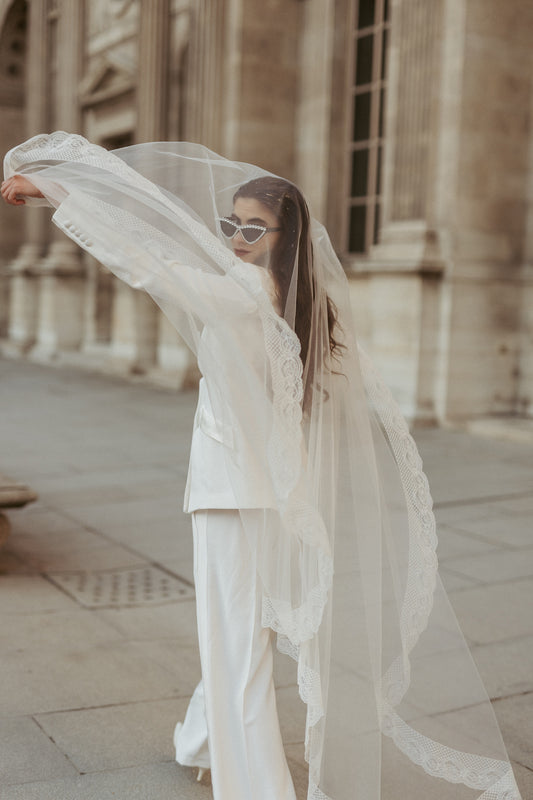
<point x="346" y="544"/>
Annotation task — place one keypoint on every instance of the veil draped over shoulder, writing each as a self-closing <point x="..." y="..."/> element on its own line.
<point x="346" y="548"/>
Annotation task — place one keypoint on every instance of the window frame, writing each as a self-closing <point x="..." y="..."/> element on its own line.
<point x="374" y="143"/>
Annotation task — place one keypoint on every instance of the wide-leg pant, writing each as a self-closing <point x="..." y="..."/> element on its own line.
<point x="232" y="723"/>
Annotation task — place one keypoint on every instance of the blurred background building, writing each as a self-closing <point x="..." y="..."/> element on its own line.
<point x="407" y="123"/>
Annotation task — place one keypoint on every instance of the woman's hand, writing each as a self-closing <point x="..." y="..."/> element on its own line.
<point x="16" y="188"/>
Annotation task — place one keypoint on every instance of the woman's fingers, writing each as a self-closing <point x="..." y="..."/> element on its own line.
<point x="12" y="190"/>
<point x="6" y="193"/>
<point x="7" y="190"/>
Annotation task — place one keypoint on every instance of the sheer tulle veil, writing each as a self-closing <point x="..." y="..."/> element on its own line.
<point x="346" y="551"/>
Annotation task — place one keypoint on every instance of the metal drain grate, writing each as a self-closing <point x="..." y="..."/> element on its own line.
<point x="120" y="588"/>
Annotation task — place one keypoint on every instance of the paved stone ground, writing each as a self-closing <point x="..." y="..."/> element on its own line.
<point x="89" y="692"/>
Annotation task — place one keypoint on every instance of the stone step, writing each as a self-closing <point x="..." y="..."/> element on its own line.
<point x="12" y="495"/>
<point x="15" y="495"/>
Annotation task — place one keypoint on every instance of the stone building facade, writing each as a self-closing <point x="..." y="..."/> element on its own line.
<point x="407" y="123"/>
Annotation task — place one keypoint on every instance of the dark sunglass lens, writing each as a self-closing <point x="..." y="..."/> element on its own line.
<point x="251" y="235"/>
<point x="228" y="228"/>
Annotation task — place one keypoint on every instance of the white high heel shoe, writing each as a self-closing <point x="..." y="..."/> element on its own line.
<point x="201" y="770"/>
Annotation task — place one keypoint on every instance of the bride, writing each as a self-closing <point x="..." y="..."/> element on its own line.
<point x="311" y="513"/>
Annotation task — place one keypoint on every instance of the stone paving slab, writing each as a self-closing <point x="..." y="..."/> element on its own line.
<point x="441" y="698"/>
<point x="454" y="543"/>
<point x="506" y="667"/>
<point x="514" y="530"/>
<point x="181" y="567"/>
<point x="472" y="468"/>
<point x="493" y="613"/>
<point x="165" y="538"/>
<point x="453" y="582"/>
<point x="176" y="621"/>
<point x="78" y="675"/>
<point x="519" y="505"/>
<point x="291" y="713"/>
<point x="108" y="485"/>
<point x="31" y="594"/>
<point x="524" y="779"/>
<point x="98" y="739"/>
<point x="451" y="514"/>
<point x="51" y="522"/>
<point x="28" y="754"/>
<point x="161" y="781"/>
<point x="495" y="567"/>
<point x="21" y="633"/>
<point x="515" y="715"/>
<point x="123" y="514"/>
<point x="42" y="559"/>
<point x="298" y="769"/>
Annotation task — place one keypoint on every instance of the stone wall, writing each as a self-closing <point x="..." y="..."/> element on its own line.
<point x="486" y="346"/>
<point x="451" y="325"/>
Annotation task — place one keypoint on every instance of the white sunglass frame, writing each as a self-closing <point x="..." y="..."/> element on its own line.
<point x="239" y="228"/>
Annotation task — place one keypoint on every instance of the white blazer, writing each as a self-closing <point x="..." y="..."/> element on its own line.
<point x="227" y="467"/>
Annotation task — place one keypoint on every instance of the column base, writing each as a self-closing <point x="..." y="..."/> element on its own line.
<point x="24" y="300"/>
<point x="60" y="302"/>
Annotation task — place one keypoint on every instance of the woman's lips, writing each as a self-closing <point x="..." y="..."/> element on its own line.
<point x="240" y="253"/>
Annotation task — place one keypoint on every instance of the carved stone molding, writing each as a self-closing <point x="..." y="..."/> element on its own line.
<point x="105" y="81"/>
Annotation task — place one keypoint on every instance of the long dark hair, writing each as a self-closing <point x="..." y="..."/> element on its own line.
<point x="293" y="249"/>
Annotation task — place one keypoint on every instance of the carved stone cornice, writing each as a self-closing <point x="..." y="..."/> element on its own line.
<point x="105" y="81"/>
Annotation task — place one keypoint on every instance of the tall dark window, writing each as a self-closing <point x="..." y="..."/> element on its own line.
<point x="367" y="126"/>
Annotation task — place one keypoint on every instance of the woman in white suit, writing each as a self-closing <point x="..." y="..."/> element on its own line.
<point x="241" y="741"/>
<point x="311" y="513"/>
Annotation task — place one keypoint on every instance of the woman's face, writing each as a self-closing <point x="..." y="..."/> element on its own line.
<point x="248" y="211"/>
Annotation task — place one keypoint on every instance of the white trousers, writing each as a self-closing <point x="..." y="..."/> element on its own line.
<point x="232" y="722"/>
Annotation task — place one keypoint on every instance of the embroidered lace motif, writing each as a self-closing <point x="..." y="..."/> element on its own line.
<point x="494" y="776"/>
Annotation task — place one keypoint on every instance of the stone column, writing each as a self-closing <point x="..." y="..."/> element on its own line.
<point x="62" y="272"/>
<point x="487" y="210"/>
<point x="407" y="265"/>
<point x="241" y="58"/>
<point x="412" y="130"/>
<point x="24" y="300"/>
<point x="152" y="87"/>
<point x="315" y="103"/>
<point x="206" y="88"/>
<point x="525" y="367"/>
<point x="152" y="94"/>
